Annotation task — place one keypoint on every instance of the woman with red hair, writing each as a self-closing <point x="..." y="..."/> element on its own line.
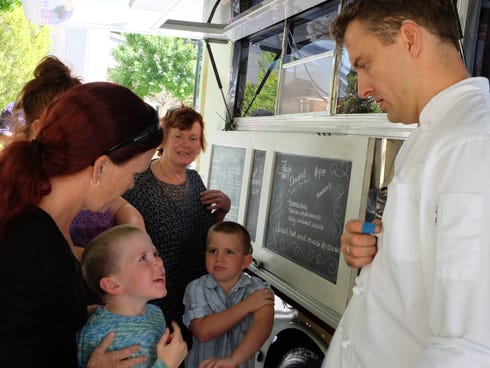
<point x="90" y="144"/>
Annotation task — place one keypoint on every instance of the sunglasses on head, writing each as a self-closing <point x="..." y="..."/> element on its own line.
<point x="152" y="131"/>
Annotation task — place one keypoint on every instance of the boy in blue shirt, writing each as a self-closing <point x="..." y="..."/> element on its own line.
<point x="123" y="266"/>
<point x="229" y="313"/>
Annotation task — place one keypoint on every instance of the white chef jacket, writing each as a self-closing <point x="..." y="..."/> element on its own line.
<point x="424" y="301"/>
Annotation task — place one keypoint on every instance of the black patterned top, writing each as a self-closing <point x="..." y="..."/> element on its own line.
<point x="177" y="223"/>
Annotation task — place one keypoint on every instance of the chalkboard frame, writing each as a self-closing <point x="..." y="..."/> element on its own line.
<point x="324" y="299"/>
<point x="307" y="211"/>
<point x="252" y="228"/>
<point x="230" y="190"/>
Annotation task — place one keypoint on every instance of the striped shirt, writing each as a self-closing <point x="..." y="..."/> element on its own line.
<point x="145" y="330"/>
<point x="204" y="297"/>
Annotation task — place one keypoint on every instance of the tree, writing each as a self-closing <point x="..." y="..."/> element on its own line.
<point x="351" y="103"/>
<point x="23" y="46"/>
<point x="265" y="101"/>
<point x="149" y="65"/>
<point x="9" y="5"/>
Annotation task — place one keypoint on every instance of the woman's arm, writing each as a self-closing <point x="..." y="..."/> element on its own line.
<point x="125" y="213"/>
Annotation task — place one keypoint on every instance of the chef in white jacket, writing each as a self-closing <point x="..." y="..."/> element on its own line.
<point x="424" y="300"/>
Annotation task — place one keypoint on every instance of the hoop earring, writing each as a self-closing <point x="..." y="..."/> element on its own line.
<point x="92" y="183"/>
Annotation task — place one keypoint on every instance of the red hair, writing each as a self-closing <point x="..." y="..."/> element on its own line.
<point x="75" y="130"/>
<point x="183" y="118"/>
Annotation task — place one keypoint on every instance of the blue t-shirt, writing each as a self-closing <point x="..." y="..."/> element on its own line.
<point x="145" y="330"/>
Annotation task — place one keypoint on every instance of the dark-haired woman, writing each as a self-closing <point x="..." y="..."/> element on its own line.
<point x="91" y="143"/>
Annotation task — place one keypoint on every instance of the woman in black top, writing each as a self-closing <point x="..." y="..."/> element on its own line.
<point x="92" y="141"/>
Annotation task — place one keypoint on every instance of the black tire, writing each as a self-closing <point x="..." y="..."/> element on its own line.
<point x="300" y="358"/>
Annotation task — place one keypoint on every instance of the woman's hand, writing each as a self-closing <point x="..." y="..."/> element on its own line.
<point x="172" y="349"/>
<point x="216" y="200"/>
<point x="101" y="358"/>
<point x="359" y="249"/>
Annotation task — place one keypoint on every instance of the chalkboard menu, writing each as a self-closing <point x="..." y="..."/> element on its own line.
<point x="307" y="211"/>
<point x="226" y="175"/>
<point x="254" y="191"/>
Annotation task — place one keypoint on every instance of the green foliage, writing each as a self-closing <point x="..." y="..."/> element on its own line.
<point x="23" y="46"/>
<point x="351" y="103"/>
<point x="149" y="65"/>
<point x="9" y="5"/>
<point x="266" y="100"/>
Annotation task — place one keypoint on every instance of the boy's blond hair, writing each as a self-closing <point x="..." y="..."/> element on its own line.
<point x="101" y="258"/>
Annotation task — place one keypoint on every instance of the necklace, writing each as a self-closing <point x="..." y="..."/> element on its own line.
<point x="177" y="191"/>
<point x="169" y="176"/>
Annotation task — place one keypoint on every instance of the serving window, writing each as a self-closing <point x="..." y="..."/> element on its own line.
<point x="293" y="68"/>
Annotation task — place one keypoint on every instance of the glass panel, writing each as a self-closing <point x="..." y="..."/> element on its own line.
<point x="263" y="61"/>
<point x="351" y="103"/>
<point x="345" y="69"/>
<point x="305" y="86"/>
<point x="308" y="68"/>
<point x="482" y="55"/>
<point x="301" y="80"/>
<point x="308" y="32"/>
<point x="240" y="6"/>
<point x="348" y="101"/>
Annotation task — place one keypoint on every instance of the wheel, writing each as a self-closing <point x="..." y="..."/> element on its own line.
<point x="300" y="358"/>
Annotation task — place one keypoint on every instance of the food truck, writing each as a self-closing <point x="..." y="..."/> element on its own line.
<point x="295" y="148"/>
<point x="299" y="153"/>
